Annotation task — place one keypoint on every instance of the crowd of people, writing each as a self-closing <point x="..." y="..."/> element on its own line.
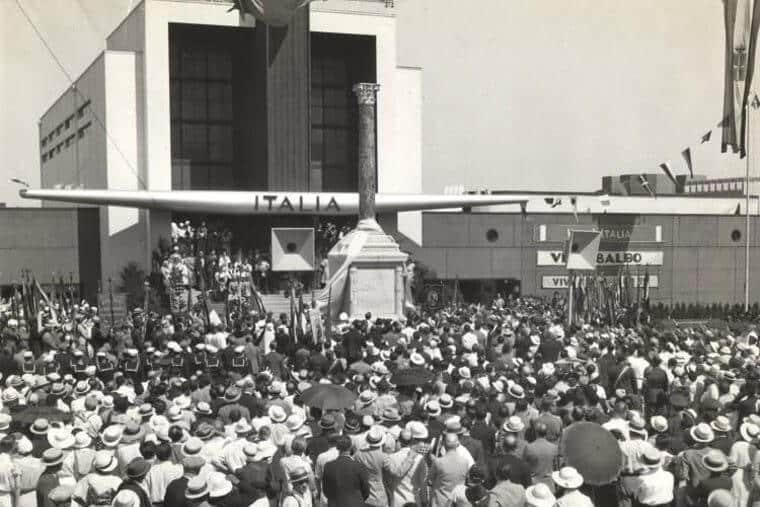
<point x="468" y="405"/>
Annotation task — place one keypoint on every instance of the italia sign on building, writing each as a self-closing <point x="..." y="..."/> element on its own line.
<point x="604" y="258"/>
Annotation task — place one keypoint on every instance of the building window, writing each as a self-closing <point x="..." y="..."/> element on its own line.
<point x="83" y="129"/>
<point x="202" y="111"/>
<point x="81" y="110"/>
<point x="337" y="63"/>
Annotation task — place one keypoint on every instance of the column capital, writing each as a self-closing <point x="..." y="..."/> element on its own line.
<point x="366" y="93"/>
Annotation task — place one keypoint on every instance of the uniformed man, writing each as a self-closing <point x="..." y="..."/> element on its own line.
<point x="79" y="364"/>
<point x="105" y="366"/>
<point x="177" y="364"/>
<point x="213" y="361"/>
<point x="238" y="363"/>
<point x="146" y="358"/>
<point x="199" y="357"/>
<point x="131" y="366"/>
<point x="28" y="364"/>
<point x="51" y="364"/>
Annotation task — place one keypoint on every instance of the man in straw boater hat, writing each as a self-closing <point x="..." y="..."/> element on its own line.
<point x="371" y="455"/>
<point x="299" y="494"/>
<point x="716" y="463"/>
<point x="99" y="487"/>
<point x="652" y="485"/>
<point x="568" y="481"/>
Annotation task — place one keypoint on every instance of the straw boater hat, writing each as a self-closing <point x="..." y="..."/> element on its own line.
<point x="218" y="485"/>
<point x="203" y="408"/>
<point x="516" y="391"/>
<point x="52" y="457"/>
<point x="539" y="495"/>
<point x="232" y="394"/>
<point x="721" y="424"/>
<point x="513" y="425"/>
<point x="659" y="424"/>
<point x="250" y="449"/>
<point x="749" y="432"/>
<point x="196" y="488"/>
<point x="417" y="359"/>
<point x="242" y="427"/>
<point x="433" y="408"/>
<point x="651" y="458"/>
<point x="715" y="461"/>
<point x="367" y="397"/>
<point x="277" y="414"/>
<point x="60" y="438"/>
<point x="82" y="440"/>
<point x="133" y="432"/>
<point x="105" y="462"/>
<point x="702" y="433"/>
<point x="375" y="437"/>
<point x="192" y="446"/>
<point x="390" y="415"/>
<point x="61" y="495"/>
<point x="40" y="427"/>
<point x="111" y="436"/>
<point x="204" y="431"/>
<point x="446" y="401"/>
<point x="568" y="478"/>
<point x="295" y="422"/>
<point x="327" y="422"/>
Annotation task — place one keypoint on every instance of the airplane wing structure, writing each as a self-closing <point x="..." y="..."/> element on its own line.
<point x="264" y="203"/>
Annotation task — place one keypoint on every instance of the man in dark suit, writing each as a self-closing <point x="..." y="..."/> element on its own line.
<point x="345" y="482"/>
<point x="353" y="341"/>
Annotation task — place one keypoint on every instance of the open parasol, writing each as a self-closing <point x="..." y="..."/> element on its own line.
<point x="30" y="414"/>
<point x="412" y="377"/>
<point x="593" y="451"/>
<point x="328" y="397"/>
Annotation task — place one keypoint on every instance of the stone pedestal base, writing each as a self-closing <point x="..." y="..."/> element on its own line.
<point x="375" y="281"/>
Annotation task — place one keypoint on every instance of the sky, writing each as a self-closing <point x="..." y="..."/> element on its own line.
<point x="520" y="95"/>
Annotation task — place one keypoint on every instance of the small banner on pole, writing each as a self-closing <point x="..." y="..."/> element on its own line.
<point x="581" y="250"/>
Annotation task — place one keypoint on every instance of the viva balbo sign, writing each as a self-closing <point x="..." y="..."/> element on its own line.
<point x="561" y="281"/>
<point x="604" y="258"/>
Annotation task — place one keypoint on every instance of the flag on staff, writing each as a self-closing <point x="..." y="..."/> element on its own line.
<point x="645" y="184"/>
<point x="686" y="154"/>
<point x="553" y="202"/>
<point x="666" y="169"/>
<point x="706" y="137"/>
<point x="293" y="315"/>
<point x="646" y="287"/>
<point x="328" y="315"/>
<point x="742" y="19"/>
<point x="574" y="202"/>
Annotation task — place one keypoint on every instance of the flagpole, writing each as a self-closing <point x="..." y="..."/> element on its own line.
<point x="746" y="225"/>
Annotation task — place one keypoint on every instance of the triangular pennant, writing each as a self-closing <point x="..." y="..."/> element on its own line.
<point x="646" y="186"/>
<point x="755" y="102"/>
<point x="666" y="169"/>
<point x="738" y="210"/>
<point x="706" y="137"/>
<point x="686" y="154"/>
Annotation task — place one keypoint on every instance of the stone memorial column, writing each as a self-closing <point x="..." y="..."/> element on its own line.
<point x="366" y="95"/>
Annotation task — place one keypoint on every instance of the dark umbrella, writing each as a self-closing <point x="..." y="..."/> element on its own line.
<point x="593" y="451"/>
<point x="328" y="397"/>
<point x="412" y="377"/>
<point x="31" y="414"/>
